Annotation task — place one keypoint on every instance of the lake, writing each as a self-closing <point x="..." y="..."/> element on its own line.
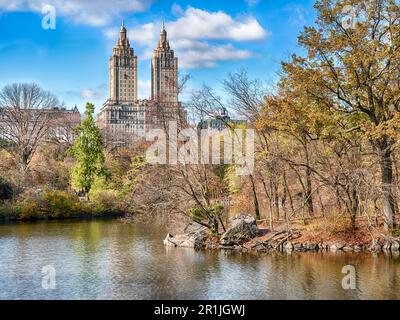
<point x="107" y="259"/>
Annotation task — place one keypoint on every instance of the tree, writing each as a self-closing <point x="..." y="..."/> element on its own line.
<point x="25" y="119"/>
<point x="6" y="189"/>
<point x="354" y="70"/>
<point x="88" y="152"/>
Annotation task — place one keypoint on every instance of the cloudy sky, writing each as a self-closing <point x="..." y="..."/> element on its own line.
<point x="210" y="38"/>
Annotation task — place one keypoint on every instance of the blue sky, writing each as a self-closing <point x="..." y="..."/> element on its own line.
<point x="210" y="38"/>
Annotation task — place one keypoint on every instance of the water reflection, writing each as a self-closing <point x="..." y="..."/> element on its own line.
<point x="106" y="259"/>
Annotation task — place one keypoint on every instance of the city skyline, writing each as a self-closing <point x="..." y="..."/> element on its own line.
<point x="216" y="40"/>
<point x="123" y="113"/>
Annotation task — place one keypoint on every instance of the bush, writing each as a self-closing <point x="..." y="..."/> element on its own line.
<point x="105" y="201"/>
<point x="34" y="204"/>
<point x="60" y="204"/>
<point x="331" y="225"/>
<point x="28" y="206"/>
<point x="37" y="204"/>
<point x="6" y="189"/>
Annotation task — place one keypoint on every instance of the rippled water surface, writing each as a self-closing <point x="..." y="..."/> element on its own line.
<point x="106" y="259"/>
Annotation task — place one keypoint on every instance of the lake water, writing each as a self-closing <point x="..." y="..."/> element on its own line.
<point x="106" y="259"/>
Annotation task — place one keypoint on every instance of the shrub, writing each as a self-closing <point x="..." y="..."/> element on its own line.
<point x="34" y="204"/>
<point x="6" y="189"/>
<point x="331" y="224"/>
<point x="37" y="204"/>
<point x="28" y="206"/>
<point x="60" y="204"/>
<point x="105" y="201"/>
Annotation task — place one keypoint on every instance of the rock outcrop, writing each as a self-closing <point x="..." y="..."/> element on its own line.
<point x="243" y="232"/>
<point x="195" y="238"/>
<point x="241" y="229"/>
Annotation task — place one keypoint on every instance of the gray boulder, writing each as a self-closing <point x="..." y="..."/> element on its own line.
<point x="288" y="246"/>
<point x="337" y="246"/>
<point x="323" y="246"/>
<point x="297" y="247"/>
<point x="242" y="228"/>
<point x="312" y="246"/>
<point x="387" y="246"/>
<point x="395" y="246"/>
<point x="347" y="248"/>
<point x="195" y="240"/>
<point x="375" y="246"/>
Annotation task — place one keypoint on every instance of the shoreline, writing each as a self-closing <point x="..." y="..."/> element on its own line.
<point x="246" y="236"/>
<point x="83" y="217"/>
<point x="307" y="247"/>
<point x="257" y="247"/>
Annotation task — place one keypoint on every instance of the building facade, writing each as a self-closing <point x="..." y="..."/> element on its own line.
<point x="123" y="71"/>
<point x="59" y="123"/>
<point x="123" y="114"/>
<point x="220" y="121"/>
<point x="164" y="73"/>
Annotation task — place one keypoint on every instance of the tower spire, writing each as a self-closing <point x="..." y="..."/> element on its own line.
<point x="164" y="72"/>
<point x="163" y="36"/>
<point x="123" y="39"/>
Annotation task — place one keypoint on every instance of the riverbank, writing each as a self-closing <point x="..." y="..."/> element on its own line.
<point x="80" y="217"/>
<point x="244" y="234"/>
<point x="57" y="205"/>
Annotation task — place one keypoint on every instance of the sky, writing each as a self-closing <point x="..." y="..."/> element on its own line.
<point x="210" y="38"/>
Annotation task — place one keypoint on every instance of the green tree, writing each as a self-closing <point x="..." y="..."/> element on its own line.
<point x="88" y="152"/>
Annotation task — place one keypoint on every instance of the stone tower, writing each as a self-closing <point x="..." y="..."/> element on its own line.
<point x="123" y="71"/>
<point x="164" y="72"/>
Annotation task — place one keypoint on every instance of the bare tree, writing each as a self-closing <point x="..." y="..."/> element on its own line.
<point x="25" y="119"/>
<point x="247" y="95"/>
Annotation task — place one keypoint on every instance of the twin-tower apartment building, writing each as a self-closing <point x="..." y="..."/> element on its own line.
<point x="123" y="112"/>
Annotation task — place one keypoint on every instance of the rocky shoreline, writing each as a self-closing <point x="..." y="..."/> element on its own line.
<point x="244" y="235"/>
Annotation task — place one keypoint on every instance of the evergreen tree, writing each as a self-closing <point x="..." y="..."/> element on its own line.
<point x="88" y="152"/>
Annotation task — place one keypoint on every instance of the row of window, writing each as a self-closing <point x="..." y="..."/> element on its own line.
<point x="115" y="121"/>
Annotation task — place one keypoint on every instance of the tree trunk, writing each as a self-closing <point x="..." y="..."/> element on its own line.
<point x="269" y="196"/>
<point x="354" y="209"/>
<point x="276" y="199"/>
<point x="388" y="202"/>
<point x="256" y="204"/>
<point x="309" y="199"/>
<point x="310" y="204"/>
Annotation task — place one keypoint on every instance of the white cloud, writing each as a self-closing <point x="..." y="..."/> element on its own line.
<point x="199" y="54"/>
<point x="111" y="33"/>
<point x="252" y="3"/>
<point x="201" y="24"/>
<point x="189" y="36"/>
<point x="144" y="89"/>
<point x="177" y="9"/>
<point x="90" y="94"/>
<point x="96" y="13"/>
<point x="297" y="14"/>
<point x="145" y="35"/>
